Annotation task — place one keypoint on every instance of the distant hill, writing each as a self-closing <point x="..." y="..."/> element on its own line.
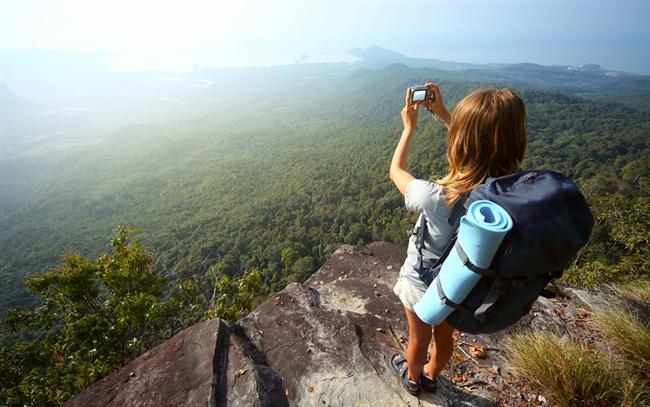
<point x="376" y="57"/>
<point x="13" y="107"/>
<point x="591" y="80"/>
<point x="57" y="100"/>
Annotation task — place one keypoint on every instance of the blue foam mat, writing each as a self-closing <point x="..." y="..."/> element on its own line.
<point x="480" y="234"/>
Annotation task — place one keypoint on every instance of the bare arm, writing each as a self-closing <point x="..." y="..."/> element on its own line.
<point x="398" y="173"/>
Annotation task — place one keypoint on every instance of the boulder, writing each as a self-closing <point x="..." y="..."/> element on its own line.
<point x="179" y="372"/>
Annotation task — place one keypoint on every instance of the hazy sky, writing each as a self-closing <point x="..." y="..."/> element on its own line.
<point x="175" y="35"/>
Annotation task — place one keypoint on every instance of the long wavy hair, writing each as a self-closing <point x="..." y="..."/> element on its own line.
<point x="487" y="138"/>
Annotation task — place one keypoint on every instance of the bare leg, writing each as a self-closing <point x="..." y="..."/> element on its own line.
<point x="419" y="338"/>
<point x="441" y="350"/>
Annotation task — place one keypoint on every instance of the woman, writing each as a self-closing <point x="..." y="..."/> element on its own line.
<point x="486" y="138"/>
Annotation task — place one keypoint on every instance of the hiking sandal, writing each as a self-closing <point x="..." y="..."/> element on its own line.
<point x="428" y="384"/>
<point x="399" y="366"/>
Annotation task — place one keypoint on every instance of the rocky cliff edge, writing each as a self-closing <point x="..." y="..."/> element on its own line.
<point x="327" y="343"/>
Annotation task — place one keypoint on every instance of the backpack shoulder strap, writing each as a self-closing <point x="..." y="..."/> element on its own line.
<point x="454" y="217"/>
<point x="419" y="241"/>
<point x="457" y="211"/>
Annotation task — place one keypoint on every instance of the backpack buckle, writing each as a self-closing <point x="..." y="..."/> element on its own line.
<point x="518" y="282"/>
<point x="530" y="176"/>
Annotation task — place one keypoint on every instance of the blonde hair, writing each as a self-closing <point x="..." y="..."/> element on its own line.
<point x="487" y="138"/>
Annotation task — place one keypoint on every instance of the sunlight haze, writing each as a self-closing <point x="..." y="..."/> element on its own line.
<point x="177" y="36"/>
<point x="214" y="202"/>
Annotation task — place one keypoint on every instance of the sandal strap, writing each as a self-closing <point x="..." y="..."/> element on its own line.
<point x="399" y="362"/>
<point x="428" y="384"/>
<point x="397" y="359"/>
<point x="404" y="375"/>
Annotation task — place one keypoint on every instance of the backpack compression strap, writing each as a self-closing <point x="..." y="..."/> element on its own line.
<point x="498" y="288"/>
<point x="468" y="263"/>
<point x="445" y="300"/>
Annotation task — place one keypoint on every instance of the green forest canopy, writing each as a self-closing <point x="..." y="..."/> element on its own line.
<point x="306" y="173"/>
<point x="236" y="204"/>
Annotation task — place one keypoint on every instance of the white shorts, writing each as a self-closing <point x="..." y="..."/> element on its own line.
<point x="407" y="292"/>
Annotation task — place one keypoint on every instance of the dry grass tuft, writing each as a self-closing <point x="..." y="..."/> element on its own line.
<point x="629" y="337"/>
<point x="637" y="290"/>
<point x="571" y="374"/>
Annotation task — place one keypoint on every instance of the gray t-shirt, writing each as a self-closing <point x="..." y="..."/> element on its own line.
<point x="426" y="198"/>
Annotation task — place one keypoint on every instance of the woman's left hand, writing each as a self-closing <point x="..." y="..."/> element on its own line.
<point x="409" y="112"/>
<point x="437" y="107"/>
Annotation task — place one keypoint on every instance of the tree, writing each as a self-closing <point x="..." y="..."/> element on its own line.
<point x="236" y="297"/>
<point x="301" y="269"/>
<point x="92" y="319"/>
<point x="288" y="256"/>
<point x="618" y="250"/>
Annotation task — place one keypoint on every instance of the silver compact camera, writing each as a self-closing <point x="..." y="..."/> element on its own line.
<point x="421" y="94"/>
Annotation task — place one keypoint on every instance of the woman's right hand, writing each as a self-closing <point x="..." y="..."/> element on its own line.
<point x="409" y="112"/>
<point x="437" y="107"/>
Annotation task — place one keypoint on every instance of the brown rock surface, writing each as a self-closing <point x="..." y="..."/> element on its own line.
<point x="330" y="338"/>
<point x="327" y="343"/>
<point x="177" y="373"/>
<point x="208" y="364"/>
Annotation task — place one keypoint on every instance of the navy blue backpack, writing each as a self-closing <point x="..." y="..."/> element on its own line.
<point x="552" y="222"/>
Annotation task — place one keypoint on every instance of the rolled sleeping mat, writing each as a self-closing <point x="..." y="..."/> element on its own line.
<point x="480" y="234"/>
